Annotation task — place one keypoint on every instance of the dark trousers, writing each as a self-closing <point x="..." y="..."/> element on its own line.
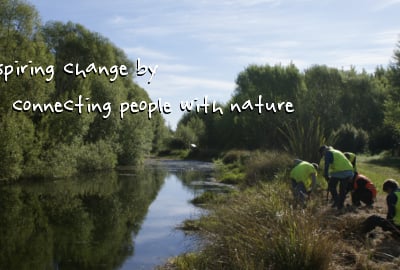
<point x="332" y="187"/>
<point x="299" y="191"/>
<point x="362" y="195"/>
<point x="376" y="221"/>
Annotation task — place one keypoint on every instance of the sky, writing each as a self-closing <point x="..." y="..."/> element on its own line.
<point x="200" y="46"/>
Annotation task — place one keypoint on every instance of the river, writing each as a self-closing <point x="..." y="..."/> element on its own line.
<point x="123" y="219"/>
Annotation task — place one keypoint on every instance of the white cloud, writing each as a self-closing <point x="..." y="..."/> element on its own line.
<point x="240" y="2"/>
<point x="174" y="85"/>
<point x="388" y="37"/>
<point x="144" y="52"/>
<point x="365" y="59"/>
<point x="384" y="4"/>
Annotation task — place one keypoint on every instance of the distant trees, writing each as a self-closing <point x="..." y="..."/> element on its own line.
<point x="392" y="101"/>
<point x="49" y="144"/>
<point x="330" y="106"/>
<point x="32" y="144"/>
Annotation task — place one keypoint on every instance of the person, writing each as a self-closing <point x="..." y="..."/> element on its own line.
<point x="338" y="169"/>
<point x="362" y="190"/>
<point x="353" y="159"/>
<point x="304" y="179"/>
<point x="392" y="221"/>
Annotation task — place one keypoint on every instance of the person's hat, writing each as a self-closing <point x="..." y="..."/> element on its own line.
<point x="323" y="148"/>
<point x="297" y="161"/>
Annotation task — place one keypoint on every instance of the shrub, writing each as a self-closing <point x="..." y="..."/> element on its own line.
<point x="96" y="156"/>
<point x="59" y="161"/>
<point x="176" y="143"/>
<point x="266" y="165"/>
<point x="233" y="156"/>
<point x="381" y="139"/>
<point x="348" y="138"/>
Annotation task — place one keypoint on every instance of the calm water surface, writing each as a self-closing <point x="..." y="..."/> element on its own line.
<point x="115" y="220"/>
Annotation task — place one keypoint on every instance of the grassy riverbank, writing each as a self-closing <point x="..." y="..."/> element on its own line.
<point x="260" y="227"/>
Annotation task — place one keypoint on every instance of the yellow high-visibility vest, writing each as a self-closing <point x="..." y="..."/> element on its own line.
<point x="340" y="162"/>
<point x="302" y="173"/>
<point x="396" y="218"/>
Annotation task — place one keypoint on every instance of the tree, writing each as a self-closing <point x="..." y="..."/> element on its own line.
<point x="21" y="43"/>
<point x="392" y="102"/>
<point x="324" y="88"/>
<point x="275" y="84"/>
<point x="47" y="144"/>
<point x="190" y="129"/>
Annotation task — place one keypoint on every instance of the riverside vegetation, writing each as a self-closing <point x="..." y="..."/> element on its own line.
<point x="254" y="228"/>
<point x="260" y="226"/>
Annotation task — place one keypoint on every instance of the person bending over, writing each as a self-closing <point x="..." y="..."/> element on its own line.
<point x="303" y="177"/>
<point x="338" y="169"/>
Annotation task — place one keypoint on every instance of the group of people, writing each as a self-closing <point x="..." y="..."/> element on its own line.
<point x="340" y="170"/>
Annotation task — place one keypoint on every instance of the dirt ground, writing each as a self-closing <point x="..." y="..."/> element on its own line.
<point x="375" y="250"/>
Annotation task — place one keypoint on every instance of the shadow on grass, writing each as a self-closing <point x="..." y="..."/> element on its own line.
<point x="393" y="162"/>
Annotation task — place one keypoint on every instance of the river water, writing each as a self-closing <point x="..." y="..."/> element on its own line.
<point x="124" y="219"/>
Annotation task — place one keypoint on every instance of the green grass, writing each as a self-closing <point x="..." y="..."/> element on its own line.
<point x="206" y="197"/>
<point x="379" y="168"/>
<point x="247" y="168"/>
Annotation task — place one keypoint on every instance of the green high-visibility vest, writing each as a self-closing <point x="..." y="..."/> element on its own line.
<point x="340" y="162"/>
<point x="352" y="158"/>
<point x="302" y="173"/>
<point x="396" y="218"/>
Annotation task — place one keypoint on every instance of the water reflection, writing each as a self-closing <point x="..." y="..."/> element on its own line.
<point x="115" y="220"/>
<point x="83" y="223"/>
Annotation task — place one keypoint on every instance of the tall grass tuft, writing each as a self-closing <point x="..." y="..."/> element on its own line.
<point x="250" y="167"/>
<point x="267" y="165"/>
<point x="257" y="229"/>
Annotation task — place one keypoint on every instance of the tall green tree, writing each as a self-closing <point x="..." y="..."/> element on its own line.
<point x="21" y="43"/>
<point x="324" y="88"/>
<point x="362" y="100"/>
<point x="275" y="84"/>
<point x="392" y="102"/>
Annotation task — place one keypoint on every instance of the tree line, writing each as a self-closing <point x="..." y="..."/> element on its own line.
<point x="34" y="144"/>
<point x="354" y="111"/>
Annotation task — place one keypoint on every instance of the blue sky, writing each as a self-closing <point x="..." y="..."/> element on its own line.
<point x="200" y="46"/>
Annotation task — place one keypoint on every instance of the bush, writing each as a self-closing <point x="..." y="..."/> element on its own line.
<point x="96" y="156"/>
<point x="250" y="167"/>
<point x="233" y="156"/>
<point x="266" y="165"/>
<point x="350" y="139"/>
<point x="59" y="161"/>
<point x="205" y="197"/>
<point x="10" y="150"/>
<point x="381" y="139"/>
